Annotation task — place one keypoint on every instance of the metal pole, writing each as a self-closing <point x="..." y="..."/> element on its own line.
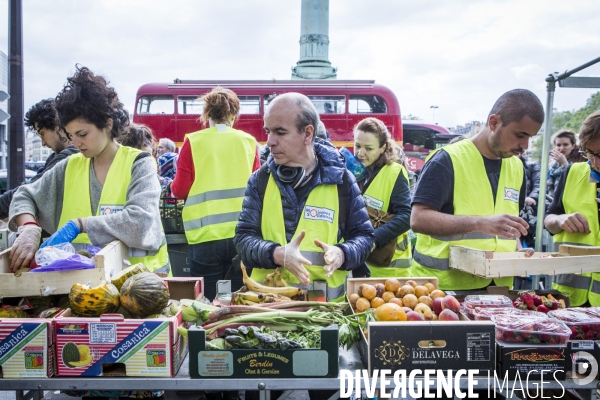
<point x="16" y="134"/>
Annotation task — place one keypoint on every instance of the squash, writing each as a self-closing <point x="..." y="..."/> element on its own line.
<point x="70" y="354"/>
<point x="4" y="313"/>
<point x="88" y="301"/>
<point x="144" y="294"/>
<point x="119" y="279"/>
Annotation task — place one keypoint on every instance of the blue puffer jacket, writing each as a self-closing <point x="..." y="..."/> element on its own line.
<point x="358" y="235"/>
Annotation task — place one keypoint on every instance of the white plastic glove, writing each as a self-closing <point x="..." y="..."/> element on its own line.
<point x="334" y="257"/>
<point x="25" y="246"/>
<point x="290" y="258"/>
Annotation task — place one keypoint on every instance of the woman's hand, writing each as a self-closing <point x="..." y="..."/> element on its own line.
<point x="559" y="157"/>
<point x="24" y="248"/>
<point x="66" y="234"/>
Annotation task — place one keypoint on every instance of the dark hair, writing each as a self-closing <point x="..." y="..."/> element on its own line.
<point x="590" y="129"/>
<point x="42" y="113"/>
<point x="515" y="104"/>
<point x="219" y="105"/>
<point x="565" y="133"/>
<point x="381" y="132"/>
<point x="88" y="96"/>
<point x="137" y="136"/>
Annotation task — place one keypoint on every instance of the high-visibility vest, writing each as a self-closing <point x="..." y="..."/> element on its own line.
<point x="223" y="163"/>
<point x="472" y="196"/>
<point x="319" y="220"/>
<point x="76" y="202"/>
<point x="378" y="196"/>
<point x="579" y="196"/>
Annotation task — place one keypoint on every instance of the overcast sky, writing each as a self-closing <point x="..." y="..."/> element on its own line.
<point x="458" y="55"/>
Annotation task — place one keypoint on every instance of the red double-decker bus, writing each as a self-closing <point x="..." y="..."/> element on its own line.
<point x="171" y="110"/>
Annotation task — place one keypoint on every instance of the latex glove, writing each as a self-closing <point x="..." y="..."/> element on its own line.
<point x="290" y="258"/>
<point x="66" y="234"/>
<point x="334" y="257"/>
<point x="25" y="245"/>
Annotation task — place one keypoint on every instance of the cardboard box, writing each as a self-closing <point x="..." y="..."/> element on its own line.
<point x="515" y="357"/>
<point x="107" y="262"/>
<point x="489" y="264"/>
<point x="409" y="345"/>
<point x="26" y="349"/>
<point x="264" y="363"/>
<point x="579" y="356"/>
<point x="126" y="347"/>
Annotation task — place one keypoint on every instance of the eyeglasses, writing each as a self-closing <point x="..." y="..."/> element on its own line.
<point x="588" y="155"/>
<point x="39" y="133"/>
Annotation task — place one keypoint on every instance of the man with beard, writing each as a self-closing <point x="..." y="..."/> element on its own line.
<point x="470" y="193"/>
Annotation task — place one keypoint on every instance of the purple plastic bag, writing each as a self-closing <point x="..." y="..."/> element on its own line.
<point x="73" y="262"/>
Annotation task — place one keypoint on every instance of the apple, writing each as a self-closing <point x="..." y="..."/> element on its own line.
<point x="425" y="311"/>
<point x="406" y="309"/>
<point x="404" y="290"/>
<point x="421" y="291"/>
<point x="414" y="316"/>
<point x="450" y="302"/>
<point x="396" y="301"/>
<point x="410" y="300"/>
<point x="437" y="293"/>
<point x="411" y="283"/>
<point x="448" y="315"/>
<point x="429" y="286"/>
<point x="380" y="289"/>
<point x="437" y="305"/>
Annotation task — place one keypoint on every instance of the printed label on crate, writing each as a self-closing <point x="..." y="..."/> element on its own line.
<point x="212" y="363"/>
<point x="101" y="332"/>
<point x="582" y="345"/>
<point x="24" y="350"/>
<point x="156" y="358"/>
<point x="478" y="346"/>
<point x="34" y="360"/>
<point x="72" y="329"/>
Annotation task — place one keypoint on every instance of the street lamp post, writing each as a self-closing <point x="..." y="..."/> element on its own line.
<point x="433" y="112"/>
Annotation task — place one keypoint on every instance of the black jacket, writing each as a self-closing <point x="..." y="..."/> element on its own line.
<point x="532" y="175"/>
<point x="53" y="159"/>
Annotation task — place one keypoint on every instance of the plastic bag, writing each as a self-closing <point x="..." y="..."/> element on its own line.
<point x="61" y="257"/>
<point x="50" y="254"/>
<point x="353" y="164"/>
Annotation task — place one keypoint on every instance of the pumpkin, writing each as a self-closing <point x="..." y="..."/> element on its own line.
<point x="144" y="294"/>
<point x="88" y="301"/>
<point x="70" y="354"/>
<point x="4" y="313"/>
<point x="119" y="279"/>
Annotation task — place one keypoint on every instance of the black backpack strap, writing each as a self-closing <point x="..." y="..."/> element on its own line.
<point x="262" y="180"/>
<point x="343" y="190"/>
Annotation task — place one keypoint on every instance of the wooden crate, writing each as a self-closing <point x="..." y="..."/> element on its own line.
<point x="108" y="262"/>
<point x="488" y="264"/>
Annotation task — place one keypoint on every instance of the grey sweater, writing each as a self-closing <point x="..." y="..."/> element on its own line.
<point x="138" y="225"/>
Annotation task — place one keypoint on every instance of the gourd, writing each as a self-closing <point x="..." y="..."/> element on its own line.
<point x="121" y="277"/>
<point x="70" y="354"/>
<point x="88" y="301"/>
<point x="13" y="313"/>
<point x="145" y="294"/>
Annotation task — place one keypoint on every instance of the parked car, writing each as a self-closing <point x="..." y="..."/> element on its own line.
<point x="4" y="180"/>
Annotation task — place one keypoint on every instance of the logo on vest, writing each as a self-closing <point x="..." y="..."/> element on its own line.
<point x="108" y="209"/>
<point x="511" y="194"/>
<point x="318" y="214"/>
<point x="373" y="202"/>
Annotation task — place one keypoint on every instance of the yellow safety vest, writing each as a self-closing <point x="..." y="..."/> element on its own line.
<point x="472" y="196"/>
<point x="579" y="196"/>
<point x="223" y="163"/>
<point x="378" y="196"/>
<point x="319" y="220"/>
<point x="76" y="202"/>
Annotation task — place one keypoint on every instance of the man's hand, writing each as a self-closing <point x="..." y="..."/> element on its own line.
<point x="24" y="248"/>
<point x="504" y="225"/>
<point x="529" y="201"/>
<point x="290" y="258"/>
<point x="334" y="257"/>
<point x="573" y="223"/>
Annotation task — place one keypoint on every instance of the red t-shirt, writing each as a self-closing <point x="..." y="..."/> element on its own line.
<point x="184" y="177"/>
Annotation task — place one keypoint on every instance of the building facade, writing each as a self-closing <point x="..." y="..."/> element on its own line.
<point x="3" y="107"/>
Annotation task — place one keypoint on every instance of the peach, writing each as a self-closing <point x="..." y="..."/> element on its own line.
<point x="429" y="286"/>
<point x="369" y="291"/>
<point x="362" y="304"/>
<point x="437" y="305"/>
<point x="435" y="317"/>
<point x="424" y="310"/>
<point x="396" y="300"/>
<point x="437" y="293"/>
<point x="360" y="288"/>
<point x="387" y="296"/>
<point x="404" y="290"/>
<point x="353" y="298"/>
<point x="376" y="302"/>
<point x="392" y="284"/>
<point x="414" y="316"/>
<point x="448" y="315"/>
<point x="411" y="283"/>
<point x="450" y="302"/>
<point x="421" y="291"/>
<point x="410" y="301"/>
<point x="426" y="300"/>
<point x="380" y="289"/>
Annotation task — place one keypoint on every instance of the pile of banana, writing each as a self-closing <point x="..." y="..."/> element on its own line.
<point x="274" y="279"/>
<point x="253" y="298"/>
<point x="273" y="290"/>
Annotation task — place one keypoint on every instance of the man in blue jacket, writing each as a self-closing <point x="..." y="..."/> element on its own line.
<point x="301" y="204"/>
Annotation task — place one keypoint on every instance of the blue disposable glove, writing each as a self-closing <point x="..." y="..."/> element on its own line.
<point x="66" y="234"/>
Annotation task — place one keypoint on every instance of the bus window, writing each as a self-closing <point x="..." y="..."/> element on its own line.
<point x="366" y="104"/>
<point x="189" y="105"/>
<point x="156" y="105"/>
<point x="249" y="104"/>
<point x="329" y="104"/>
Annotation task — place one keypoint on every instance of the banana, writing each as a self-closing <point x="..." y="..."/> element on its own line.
<point x="252" y="285"/>
<point x="272" y="298"/>
<point x="249" y="296"/>
<point x="279" y="281"/>
<point x="270" y="280"/>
